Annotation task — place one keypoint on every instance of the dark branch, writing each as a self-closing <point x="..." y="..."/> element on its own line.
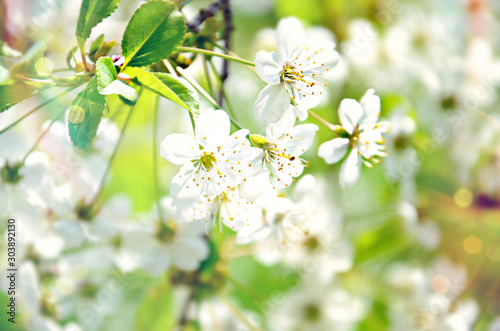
<point x="228" y="29"/>
<point x="205" y="13"/>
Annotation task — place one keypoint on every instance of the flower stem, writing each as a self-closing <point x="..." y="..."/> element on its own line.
<point x="44" y="132"/>
<point x="222" y="89"/>
<point x="200" y="89"/>
<point x="212" y="53"/>
<point x="155" y="157"/>
<point x="329" y="125"/>
<point x="37" y="108"/>
<point x="238" y="313"/>
<point x="108" y="167"/>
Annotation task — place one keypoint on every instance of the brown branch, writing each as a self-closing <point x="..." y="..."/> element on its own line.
<point x="205" y="13"/>
<point x="228" y="29"/>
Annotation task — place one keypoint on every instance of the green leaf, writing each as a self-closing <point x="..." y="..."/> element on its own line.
<point x="121" y="88"/>
<point x="96" y="44"/>
<point x="167" y="86"/>
<point x="106" y="72"/>
<point x="5" y="50"/>
<point x="103" y="50"/>
<point x="14" y="93"/>
<point x="92" y="103"/>
<point x="153" y="33"/>
<point x="26" y="64"/>
<point x="157" y="311"/>
<point x="185" y="92"/>
<point x="92" y="12"/>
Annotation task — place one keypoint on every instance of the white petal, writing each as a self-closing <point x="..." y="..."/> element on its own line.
<point x="272" y="103"/>
<point x="268" y="67"/>
<point x="179" y="148"/>
<point x="350" y="170"/>
<point x="371" y="107"/>
<point x="256" y="186"/>
<point x="188" y="253"/>
<point x="298" y="140"/>
<point x="212" y="128"/>
<point x="334" y="150"/>
<point x="183" y="186"/>
<point x="274" y="130"/>
<point x="290" y="34"/>
<point x="350" y="112"/>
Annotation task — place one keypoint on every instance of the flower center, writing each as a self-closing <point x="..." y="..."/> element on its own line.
<point x="166" y="232"/>
<point x="208" y="160"/>
<point x="10" y="174"/>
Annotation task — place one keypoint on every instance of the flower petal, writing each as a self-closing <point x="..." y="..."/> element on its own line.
<point x="183" y="186"/>
<point x="290" y="34"/>
<point x="268" y="67"/>
<point x="212" y="128"/>
<point x="350" y="170"/>
<point x="272" y="103"/>
<point x="334" y="150"/>
<point x="298" y="140"/>
<point x="179" y="148"/>
<point x="371" y="107"/>
<point x="350" y="112"/>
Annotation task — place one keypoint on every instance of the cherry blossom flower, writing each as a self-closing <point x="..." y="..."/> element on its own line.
<point x="291" y="72"/>
<point x="227" y="207"/>
<point x="363" y="135"/>
<point x="213" y="161"/>
<point x="279" y="161"/>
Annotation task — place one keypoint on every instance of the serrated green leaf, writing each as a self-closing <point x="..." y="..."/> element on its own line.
<point x="93" y="104"/>
<point x="14" y="93"/>
<point x="167" y="86"/>
<point x="153" y="33"/>
<point x="26" y="64"/>
<point x="185" y="92"/>
<point x="106" y="72"/>
<point x="157" y="311"/>
<point x="5" y="50"/>
<point x="96" y="44"/>
<point x="121" y="88"/>
<point x="92" y="12"/>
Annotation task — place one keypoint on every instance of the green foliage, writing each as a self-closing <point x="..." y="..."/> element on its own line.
<point x="26" y="64"/>
<point x="153" y="33"/>
<point x="92" y="12"/>
<point x="96" y="44"/>
<point x="70" y="55"/>
<point x="156" y="312"/>
<point x="106" y="72"/>
<point x="167" y="86"/>
<point x="103" y="50"/>
<point x="92" y="102"/>
<point x="13" y="93"/>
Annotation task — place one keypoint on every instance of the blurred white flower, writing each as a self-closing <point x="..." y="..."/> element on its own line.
<point x="290" y="73"/>
<point x="364" y="137"/>
<point x="155" y="246"/>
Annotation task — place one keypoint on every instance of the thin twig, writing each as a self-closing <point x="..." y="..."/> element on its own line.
<point x="108" y="167"/>
<point x="228" y="29"/>
<point x="204" y="14"/>
<point x="37" y="108"/>
<point x="156" y="100"/>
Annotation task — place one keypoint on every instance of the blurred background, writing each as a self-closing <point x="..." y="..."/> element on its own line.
<point x="414" y="245"/>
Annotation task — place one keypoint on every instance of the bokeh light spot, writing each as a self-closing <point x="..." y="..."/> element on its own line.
<point x="76" y="114"/>
<point x="463" y="198"/>
<point x="44" y="66"/>
<point x="473" y="245"/>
